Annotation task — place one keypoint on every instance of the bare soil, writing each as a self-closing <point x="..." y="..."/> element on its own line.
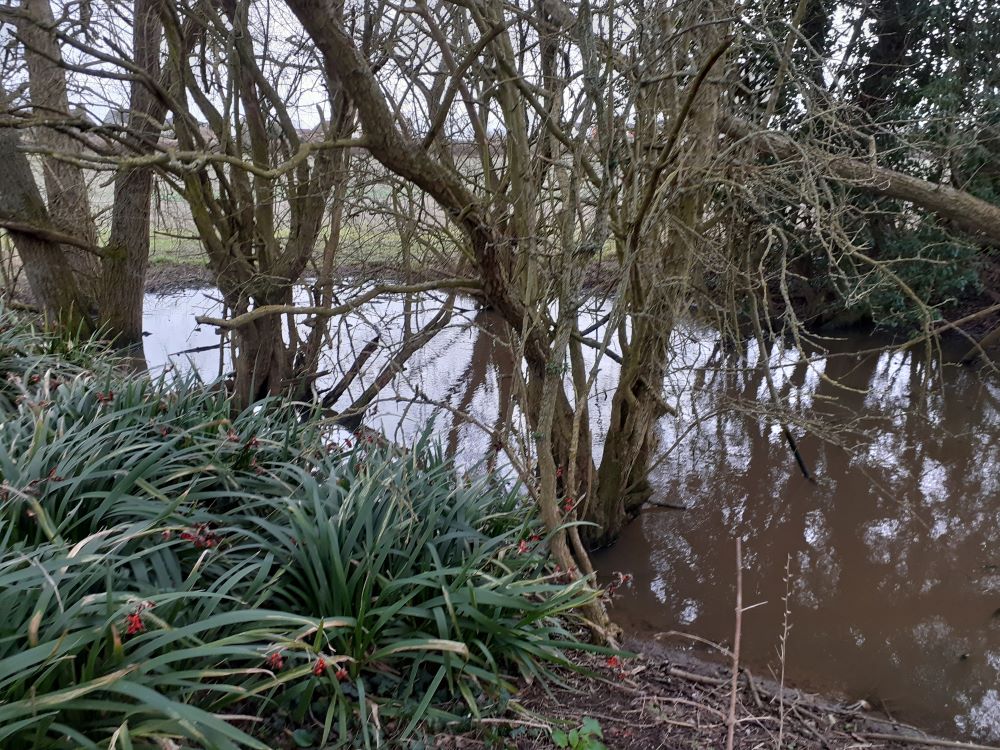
<point x="168" y="278"/>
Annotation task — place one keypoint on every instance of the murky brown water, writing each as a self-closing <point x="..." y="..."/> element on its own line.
<point x="893" y="554"/>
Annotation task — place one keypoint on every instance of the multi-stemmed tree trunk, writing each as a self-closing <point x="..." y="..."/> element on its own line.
<point x="65" y="183"/>
<point x="24" y="214"/>
<point x="663" y="206"/>
<point x="264" y="165"/>
<point x="493" y="241"/>
<point x="77" y="282"/>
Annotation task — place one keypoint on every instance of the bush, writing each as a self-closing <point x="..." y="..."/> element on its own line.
<point x="920" y="262"/>
<point x="937" y="270"/>
<point x="172" y="571"/>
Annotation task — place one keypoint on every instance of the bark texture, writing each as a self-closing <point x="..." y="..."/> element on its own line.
<point x="65" y="184"/>
<point x="53" y="281"/>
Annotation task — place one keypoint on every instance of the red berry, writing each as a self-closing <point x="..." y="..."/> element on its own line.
<point x="134" y="624"/>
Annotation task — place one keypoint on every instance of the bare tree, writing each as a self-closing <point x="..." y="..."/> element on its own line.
<point x="104" y="285"/>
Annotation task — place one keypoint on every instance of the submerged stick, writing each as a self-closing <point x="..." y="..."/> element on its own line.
<point x="772" y="389"/>
<point x="795" y="452"/>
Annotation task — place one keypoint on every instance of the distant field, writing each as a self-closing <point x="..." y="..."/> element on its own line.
<point x="365" y="238"/>
<point x="368" y="237"/>
<point x="174" y="238"/>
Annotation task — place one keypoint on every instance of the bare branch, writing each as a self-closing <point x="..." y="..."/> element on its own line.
<point x="247" y="318"/>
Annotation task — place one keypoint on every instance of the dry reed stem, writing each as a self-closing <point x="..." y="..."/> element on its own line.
<point x="731" y="721"/>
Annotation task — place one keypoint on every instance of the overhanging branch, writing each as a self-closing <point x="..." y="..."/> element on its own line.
<point x="195" y="160"/>
<point x="241" y="321"/>
<point x="49" y="234"/>
<point x="964" y="210"/>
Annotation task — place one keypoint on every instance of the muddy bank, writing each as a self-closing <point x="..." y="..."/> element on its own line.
<point x="672" y="700"/>
<point x="890" y="554"/>
<point x="979" y="313"/>
<point x="170" y="278"/>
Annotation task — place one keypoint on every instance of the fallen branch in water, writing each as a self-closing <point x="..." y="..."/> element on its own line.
<point x="665" y="504"/>
<point x="197" y="349"/>
<point x="334" y="394"/>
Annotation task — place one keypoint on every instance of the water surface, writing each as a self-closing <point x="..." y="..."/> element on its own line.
<point x="892" y="555"/>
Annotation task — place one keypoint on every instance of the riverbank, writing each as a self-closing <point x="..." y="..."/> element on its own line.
<point x="182" y="574"/>
<point x="658" y="694"/>
<point x="171" y="277"/>
<point x="977" y="316"/>
<point x="675" y="700"/>
<point x="969" y="320"/>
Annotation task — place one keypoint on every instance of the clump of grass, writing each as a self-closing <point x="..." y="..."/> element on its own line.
<point x="172" y="572"/>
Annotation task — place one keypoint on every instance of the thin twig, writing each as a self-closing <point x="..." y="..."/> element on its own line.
<point x="692" y="677"/>
<point x="753" y="690"/>
<point x="784" y="643"/>
<point x="698" y="639"/>
<point x="686" y="702"/>
<point x="515" y="723"/>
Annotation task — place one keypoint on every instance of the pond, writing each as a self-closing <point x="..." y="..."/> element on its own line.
<point x="888" y="564"/>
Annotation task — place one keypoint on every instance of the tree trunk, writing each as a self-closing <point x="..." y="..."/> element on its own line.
<point x="65" y="186"/>
<point x="964" y="210"/>
<point x="52" y="280"/>
<point x="262" y="362"/>
<point x="623" y="485"/>
<point x="899" y="29"/>
<point x="126" y="257"/>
